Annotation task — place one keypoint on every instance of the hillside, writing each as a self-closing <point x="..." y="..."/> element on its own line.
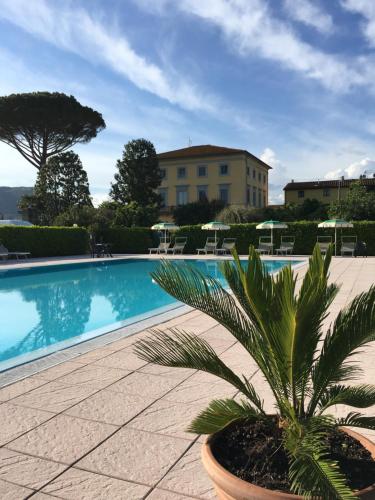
<point x="9" y="197"/>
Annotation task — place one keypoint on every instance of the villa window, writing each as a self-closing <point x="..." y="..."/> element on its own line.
<point x="202" y="193"/>
<point x="247" y="170"/>
<point x="248" y="196"/>
<point x="163" y="173"/>
<point x="163" y="193"/>
<point x="264" y="178"/>
<point x="259" y="177"/>
<point x="181" y="195"/>
<point x="202" y="171"/>
<point x="254" y="197"/>
<point x="224" y="169"/>
<point x="254" y="173"/>
<point x="181" y="172"/>
<point x="224" y="193"/>
<point x="301" y="194"/>
<point x="326" y="192"/>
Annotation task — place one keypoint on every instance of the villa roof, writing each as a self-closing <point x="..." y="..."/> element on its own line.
<point x="295" y="186"/>
<point x="207" y="150"/>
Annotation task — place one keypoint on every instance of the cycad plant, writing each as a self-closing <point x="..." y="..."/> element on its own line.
<point x="282" y="330"/>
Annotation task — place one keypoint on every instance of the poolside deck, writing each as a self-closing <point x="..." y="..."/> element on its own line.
<point x="104" y="424"/>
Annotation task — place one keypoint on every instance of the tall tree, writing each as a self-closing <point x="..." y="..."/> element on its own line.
<point x="61" y="184"/>
<point x="138" y="174"/>
<point x="358" y="205"/>
<point x="42" y="124"/>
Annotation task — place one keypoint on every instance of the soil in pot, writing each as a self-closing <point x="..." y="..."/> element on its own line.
<point x="254" y="453"/>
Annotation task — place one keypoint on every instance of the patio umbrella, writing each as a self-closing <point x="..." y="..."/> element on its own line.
<point x="335" y="224"/>
<point x="272" y="224"/>
<point x="215" y="226"/>
<point x="165" y="227"/>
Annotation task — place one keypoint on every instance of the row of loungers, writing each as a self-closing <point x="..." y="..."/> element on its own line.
<point x="348" y="246"/>
<point x="5" y="254"/>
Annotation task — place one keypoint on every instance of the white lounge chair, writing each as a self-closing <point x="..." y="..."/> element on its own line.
<point x="323" y="243"/>
<point x="5" y="254"/>
<point x="265" y="246"/>
<point x="348" y="245"/>
<point x="209" y="247"/>
<point x="162" y="248"/>
<point x="178" y="246"/>
<point x="286" y="245"/>
<point x="226" y="247"/>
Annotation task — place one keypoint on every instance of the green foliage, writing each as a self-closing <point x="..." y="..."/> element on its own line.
<point x="126" y="239"/>
<point x="198" y="212"/>
<point x="42" y="124"/>
<point x="138" y="174"/>
<point x="282" y="331"/>
<point x="82" y="216"/>
<point x="310" y="209"/>
<point x="45" y="241"/>
<point x="358" y="205"/>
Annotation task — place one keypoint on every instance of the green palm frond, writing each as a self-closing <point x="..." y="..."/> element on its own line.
<point x="357" y="420"/>
<point x="311" y="472"/>
<point x="220" y="413"/>
<point x="353" y="328"/>
<point x="360" y="396"/>
<point x="186" y="350"/>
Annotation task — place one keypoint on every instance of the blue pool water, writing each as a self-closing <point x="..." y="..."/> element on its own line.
<point x="46" y="308"/>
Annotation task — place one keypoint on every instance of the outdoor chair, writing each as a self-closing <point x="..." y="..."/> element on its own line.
<point x="178" y="246"/>
<point x="323" y="243"/>
<point x="286" y="245"/>
<point x="226" y="247"/>
<point x="265" y="246"/>
<point x="5" y="254"/>
<point x="162" y="248"/>
<point x="348" y="245"/>
<point x="209" y="247"/>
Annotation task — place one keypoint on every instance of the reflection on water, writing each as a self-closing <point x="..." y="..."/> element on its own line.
<point x="46" y="306"/>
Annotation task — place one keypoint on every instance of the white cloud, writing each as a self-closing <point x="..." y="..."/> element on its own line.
<point x="278" y="176"/>
<point x="249" y="28"/>
<point x="309" y="13"/>
<point x="366" y="8"/>
<point x="354" y="170"/>
<point x="72" y="28"/>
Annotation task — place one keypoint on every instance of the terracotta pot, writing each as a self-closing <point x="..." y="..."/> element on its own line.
<point x="230" y="487"/>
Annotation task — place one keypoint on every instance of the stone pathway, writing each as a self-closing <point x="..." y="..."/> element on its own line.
<point x="107" y="425"/>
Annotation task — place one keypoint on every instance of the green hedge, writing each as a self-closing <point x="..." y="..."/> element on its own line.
<point x="128" y="239"/>
<point x="45" y="241"/>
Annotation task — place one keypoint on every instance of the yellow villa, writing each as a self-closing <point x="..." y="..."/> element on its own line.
<point x="207" y="172"/>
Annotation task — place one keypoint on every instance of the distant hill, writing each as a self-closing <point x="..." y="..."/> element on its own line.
<point x="9" y="197"/>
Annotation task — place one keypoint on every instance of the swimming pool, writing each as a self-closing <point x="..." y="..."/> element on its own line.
<point x="46" y="308"/>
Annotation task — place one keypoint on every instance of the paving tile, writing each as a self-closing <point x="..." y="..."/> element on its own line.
<point x="26" y="470"/>
<point x="59" y="370"/>
<point x="111" y="407"/>
<point x="9" y="491"/>
<point x="55" y="397"/>
<point x="21" y="387"/>
<point x="166" y="371"/>
<point x="189" y="477"/>
<point x="63" y="439"/>
<point x="98" y="376"/>
<point x="94" y="355"/>
<point x="166" y="417"/>
<point x="135" y="456"/>
<point x="124" y="359"/>
<point x="202" y="393"/>
<point x="75" y="483"/>
<point x="16" y="420"/>
<point x="145" y="384"/>
<point x="159" y="494"/>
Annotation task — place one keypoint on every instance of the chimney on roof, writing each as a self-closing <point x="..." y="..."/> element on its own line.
<point x="292" y="181"/>
<point x="342" y="177"/>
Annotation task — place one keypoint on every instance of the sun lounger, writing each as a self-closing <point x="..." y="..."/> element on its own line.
<point x="162" y="248"/>
<point x="348" y="245"/>
<point x="5" y="254"/>
<point x="226" y="247"/>
<point x="178" y="246"/>
<point x="286" y="245"/>
<point x="265" y="246"/>
<point x="209" y="247"/>
<point x="323" y="243"/>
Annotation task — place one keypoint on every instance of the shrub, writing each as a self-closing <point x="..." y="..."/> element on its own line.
<point x="198" y="212"/>
<point x="127" y="239"/>
<point x="45" y="241"/>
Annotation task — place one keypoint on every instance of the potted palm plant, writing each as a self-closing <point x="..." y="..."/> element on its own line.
<point x="301" y="449"/>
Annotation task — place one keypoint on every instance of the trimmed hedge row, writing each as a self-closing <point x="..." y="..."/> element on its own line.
<point x="55" y="241"/>
<point x="45" y="241"/>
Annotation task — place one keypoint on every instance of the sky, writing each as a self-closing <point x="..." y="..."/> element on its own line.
<point x="291" y="81"/>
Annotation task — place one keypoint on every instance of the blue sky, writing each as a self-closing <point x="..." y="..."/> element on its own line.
<point x="292" y="81"/>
